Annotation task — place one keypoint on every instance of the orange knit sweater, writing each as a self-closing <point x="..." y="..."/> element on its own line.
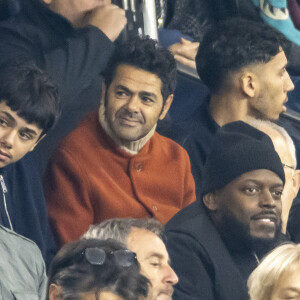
<point x="89" y="179"/>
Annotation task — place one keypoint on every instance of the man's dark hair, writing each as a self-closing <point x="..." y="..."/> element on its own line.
<point x="234" y="44"/>
<point x="144" y="53"/>
<point x="30" y="92"/>
<point x="76" y="276"/>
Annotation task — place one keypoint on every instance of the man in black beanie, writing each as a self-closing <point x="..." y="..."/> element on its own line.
<point x="214" y="250"/>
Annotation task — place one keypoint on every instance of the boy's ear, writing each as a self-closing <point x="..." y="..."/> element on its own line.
<point x="210" y="202"/>
<point x="37" y="142"/>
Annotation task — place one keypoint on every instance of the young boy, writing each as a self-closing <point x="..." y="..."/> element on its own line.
<point x="29" y="108"/>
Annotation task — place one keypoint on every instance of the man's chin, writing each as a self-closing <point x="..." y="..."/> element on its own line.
<point x="164" y="296"/>
<point x="262" y="243"/>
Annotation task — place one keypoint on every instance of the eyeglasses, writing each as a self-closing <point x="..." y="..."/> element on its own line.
<point x="98" y="256"/>
<point x="285" y="165"/>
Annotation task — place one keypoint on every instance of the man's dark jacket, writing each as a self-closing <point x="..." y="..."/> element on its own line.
<point x="208" y="269"/>
<point x="74" y="59"/>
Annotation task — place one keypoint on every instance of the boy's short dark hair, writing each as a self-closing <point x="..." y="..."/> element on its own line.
<point x="76" y="276"/>
<point x="234" y="44"/>
<point x="30" y="92"/>
<point x="144" y="54"/>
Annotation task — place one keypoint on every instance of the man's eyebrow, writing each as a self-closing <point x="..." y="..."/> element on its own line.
<point x="148" y="94"/>
<point x="280" y="185"/>
<point x="155" y="254"/>
<point x="160" y="256"/>
<point x="293" y="289"/>
<point x="260" y="183"/>
<point x="126" y="89"/>
<point x="144" y="93"/>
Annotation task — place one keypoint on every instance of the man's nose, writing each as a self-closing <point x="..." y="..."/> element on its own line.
<point x="133" y="104"/>
<point x="289" y="85"/>
<point x="267" y="200"/>
<point x="170" y="276"/>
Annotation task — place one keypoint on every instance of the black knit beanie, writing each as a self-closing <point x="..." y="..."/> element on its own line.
<point x="238" y="148"/>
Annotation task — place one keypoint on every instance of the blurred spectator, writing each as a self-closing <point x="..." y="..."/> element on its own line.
<point x="125" y="168"/>
<point x="191" y="19"/>
<point x="93" y="269"/>
<point x="277" y="276"/>
<point x="276" y="14"/>
<point x="294" y="10"/>
<point x="145" y="238"/>
<point x="22" y="268"/>
<point x="216" y="242"/>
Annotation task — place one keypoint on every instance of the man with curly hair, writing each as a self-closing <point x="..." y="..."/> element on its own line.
<point x="115" y="164"/>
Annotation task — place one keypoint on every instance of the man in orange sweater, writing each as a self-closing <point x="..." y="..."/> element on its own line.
<point x="114" y="164"/>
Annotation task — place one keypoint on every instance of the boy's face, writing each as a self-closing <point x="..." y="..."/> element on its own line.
<point x="17" y="136"/>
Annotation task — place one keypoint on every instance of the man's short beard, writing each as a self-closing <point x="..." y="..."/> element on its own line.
<point x="260" y="114"/>
<point x="233" y="230"/>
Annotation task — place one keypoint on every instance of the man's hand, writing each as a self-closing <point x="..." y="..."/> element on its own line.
<point x="110" y="19"/>
<point x="185" y="52"/>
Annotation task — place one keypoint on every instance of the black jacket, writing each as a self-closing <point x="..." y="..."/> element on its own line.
<point x="74" y="59"/>
<point x="207" y="268"/>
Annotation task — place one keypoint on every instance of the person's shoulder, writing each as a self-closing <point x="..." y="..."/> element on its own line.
<point x="187" y="219"/>
<point x="12" y="239"/>
<point x="168" y="145"/>
<point x="86" y="129"/>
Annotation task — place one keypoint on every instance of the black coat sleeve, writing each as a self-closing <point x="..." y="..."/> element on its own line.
<point x="72" y="62"/>
<point x="197" y="147"/>
<point x="191" y="264"/>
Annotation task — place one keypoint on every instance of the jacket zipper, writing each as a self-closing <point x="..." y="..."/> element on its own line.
<point x="4" y="191"/>
<point x="256" y="258"/>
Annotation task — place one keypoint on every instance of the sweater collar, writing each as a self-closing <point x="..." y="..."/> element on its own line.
<point x="130" y="147"/>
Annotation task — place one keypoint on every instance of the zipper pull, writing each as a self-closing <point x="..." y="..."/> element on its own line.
<point x="3" y="184"/>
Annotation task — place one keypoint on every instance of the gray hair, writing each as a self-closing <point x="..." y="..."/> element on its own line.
<point x="260" y="124"/>
<point x="119" y="229"/>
